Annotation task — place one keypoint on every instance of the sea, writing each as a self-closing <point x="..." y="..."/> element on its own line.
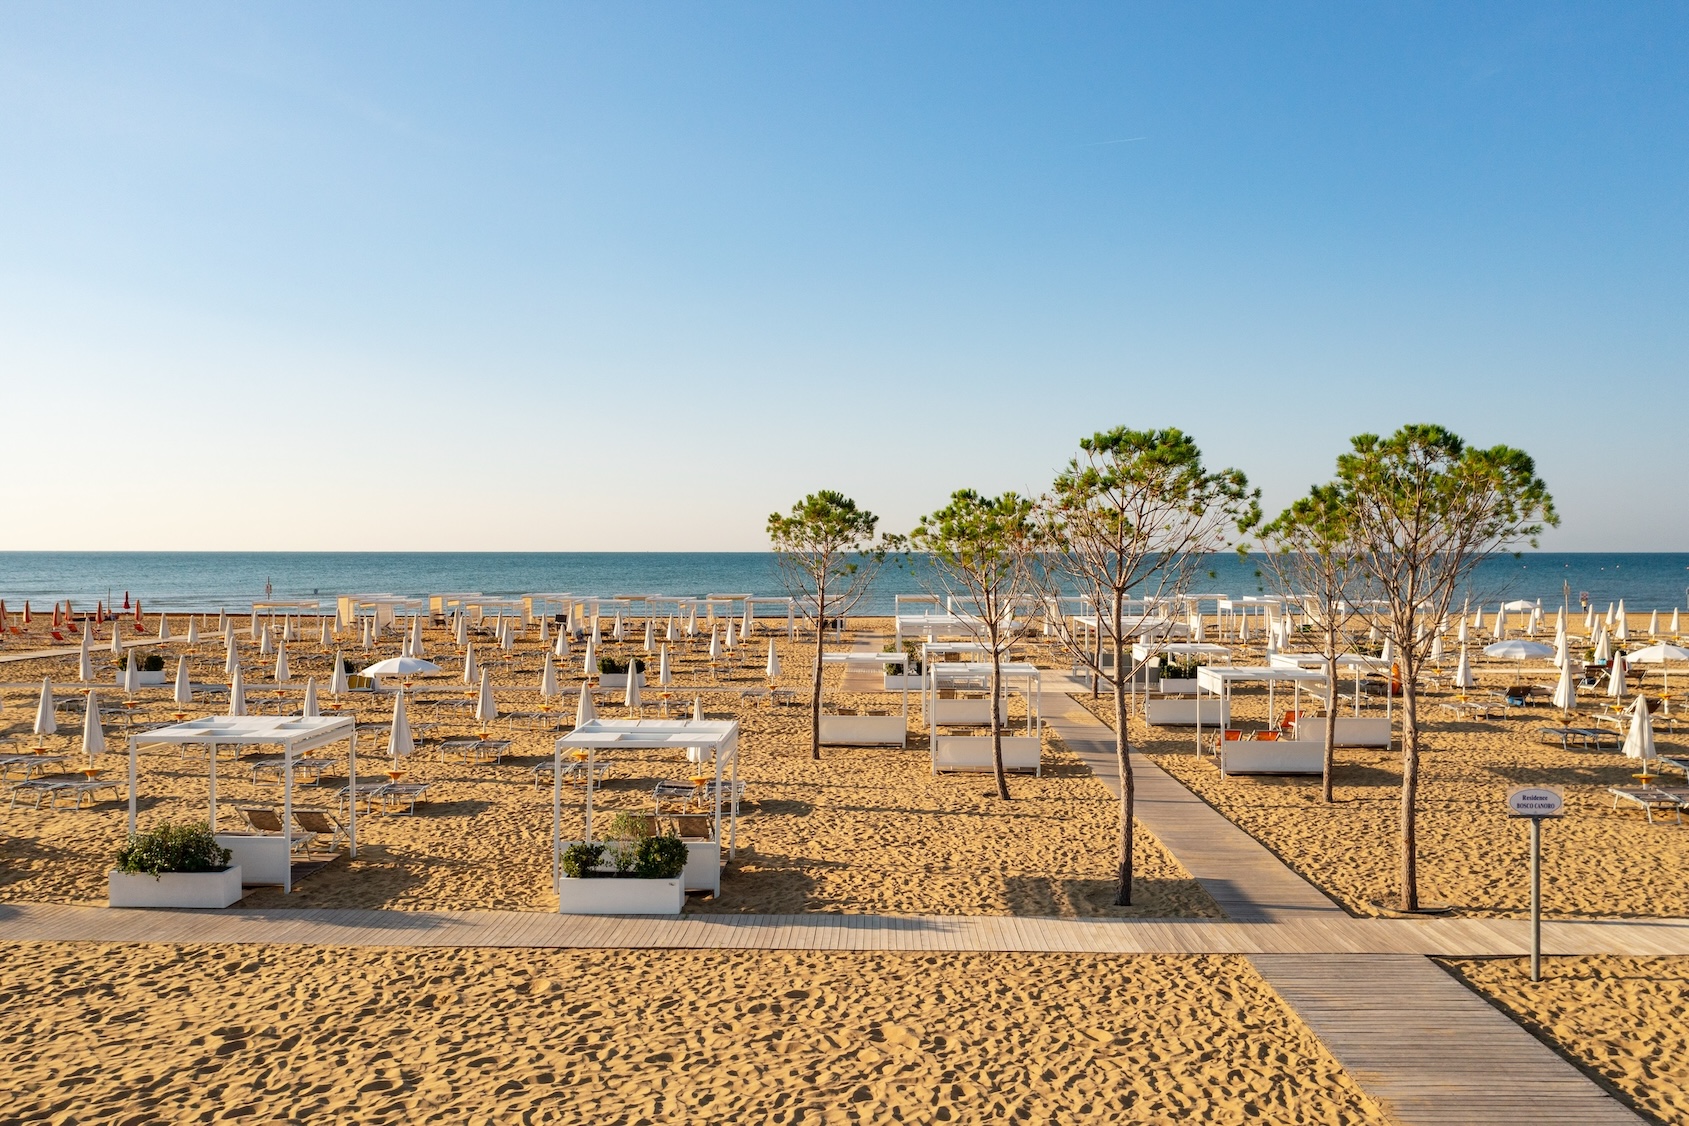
<point x="211" y="581"/>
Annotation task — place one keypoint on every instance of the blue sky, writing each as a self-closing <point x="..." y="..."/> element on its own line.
<point x="627" y="276"/>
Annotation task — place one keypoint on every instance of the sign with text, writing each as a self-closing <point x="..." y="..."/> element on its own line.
<point x="1536" y="801"/>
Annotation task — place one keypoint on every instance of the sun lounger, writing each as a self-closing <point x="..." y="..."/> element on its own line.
<point x="265" y="821"/>
<point x="52" y="785"/>
<point x="1651" y="798"/>
<point x="1676" y="763"/>
<point x="367" y="791"/>
<point x="395" y="794"/>
<point x="31" y="765"/>
<point x="572" y="771"/>
<point x="475" y="751"/>
<point x="1588" y="736"/>
<point x="321" y="823"/>
<point x="275" y="764"/>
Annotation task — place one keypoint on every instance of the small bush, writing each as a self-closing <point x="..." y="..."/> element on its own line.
<point x="173" y="848"/>
<point x="580" y="859"/>
<point x="622" y="855"/>
<point x="613" y="667"/>
<point x="659" y="858"/>
<point x="151" y="662"/>
<point x="626" y="826"/>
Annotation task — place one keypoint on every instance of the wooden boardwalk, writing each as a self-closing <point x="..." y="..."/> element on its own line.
<point x="47" y="922"/>
<point x="1428" y="1049"/>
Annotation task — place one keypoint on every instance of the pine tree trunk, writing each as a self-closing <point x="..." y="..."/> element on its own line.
<point x="815" y="683"/>
<point x="996" y="722"/>
<point x="1410" y="792"/>
<point x="1327" y="787"/>
<point x="1123" y="762"/>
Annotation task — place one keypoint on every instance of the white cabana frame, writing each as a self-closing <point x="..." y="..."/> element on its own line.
<point x="975" y="676"/>
<point x="867" y="730"/>
<point x="599" y="737"/>
<point x="296" y="735"/>
<point x="1218" y="681"/>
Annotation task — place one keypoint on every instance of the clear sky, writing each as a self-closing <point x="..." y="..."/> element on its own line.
<point x="623" y="276"/>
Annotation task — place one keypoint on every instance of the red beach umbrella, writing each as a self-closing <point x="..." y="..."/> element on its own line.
<point x="26" y="614"/>
<point x="126" y="600"/>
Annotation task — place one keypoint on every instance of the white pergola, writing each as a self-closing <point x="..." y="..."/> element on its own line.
<point x="1142" y="652"/>
<point x="295" y="735"/>
<point x="1219" y="680"/>
<point x="936" y="676"/>
<point x="868" y="730"/>
<point x="1358" y="663"/>
<point x="607" y="736"/>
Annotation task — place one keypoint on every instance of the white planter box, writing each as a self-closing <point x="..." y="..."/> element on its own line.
<point x="174" y="889"/>
<point x="260" y="859"/>
<point x="703" y="867"/>
<point x="617" y="680"/>
<point x="1358" y="731"/>
<point x="863" y="731"/>
<point x="897" y="682"/>
<point x="1275" y="756"/>
<point x="1170" y="687"/>
<point x="1021" y="753"/>
<point x="620" y="896"/>
<point x="1181" y="711"/>
<point x="146" y="679"/>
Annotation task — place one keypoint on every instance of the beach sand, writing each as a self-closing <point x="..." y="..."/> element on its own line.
<point x="1597" y="861"/>
<point x="148" y="1033"/>
<point x="864" y="830"/>
<point x="1625" y="1020"/>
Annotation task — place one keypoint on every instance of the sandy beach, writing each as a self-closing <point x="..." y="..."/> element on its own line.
<point x="296" y="1034"/>
<point x="1598" y="861"/>
<point x="865" y="830"/>
<point x="1623" y="1019"/>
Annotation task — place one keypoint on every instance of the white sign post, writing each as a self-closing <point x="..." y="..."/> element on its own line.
<point x="1534" y="803"/>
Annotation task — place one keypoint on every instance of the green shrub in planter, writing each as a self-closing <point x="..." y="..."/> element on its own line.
<point x="613" y="667"/>
<point x="659" y="858"/>
<point x="173" y="848"/>
<point x="152" y="662"/>
<point x="580" y="859"/>
<point x="626" y="826"/>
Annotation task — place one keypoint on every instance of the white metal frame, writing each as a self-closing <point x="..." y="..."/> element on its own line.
<point x="875" y="659"/>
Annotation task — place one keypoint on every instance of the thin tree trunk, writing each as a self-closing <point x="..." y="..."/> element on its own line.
<point x="1410" y="790"/>
<point x="1123" y="762"/>
<point x="815" y="685"/>
<point x="1330" y="717"/>
<point x="996" y="721"/>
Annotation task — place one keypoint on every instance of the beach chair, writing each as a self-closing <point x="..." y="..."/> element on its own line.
<point x="1651" y="798"/>
<point x="407" y="794"/>
<point x="265" y="821"/>
<point x="275" y="765"/>
<point x="321" y="823"/>
<point x="675" y="793"/>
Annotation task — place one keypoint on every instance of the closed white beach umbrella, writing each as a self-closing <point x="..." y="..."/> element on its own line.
<point x="1535" y="625"/>
<point x="597" y="632"/>
<point x="369" y="633"/>
<point x="548" y="678"/>
<point x="399" y="741"/>
<point x="745" y="624"/>
<point x="668" y="629"/>
<point x="588" y="662"/>
<point x="228" y="632"/>
<point x="93" y="735"/>
<point x="1566" y="691"/>
<point x="282" y="675"/>
<point x="416" y="636"/>
<point x="289" y="630"/>
<point x="772" y="668"/>
<point x="1589" y="622"/>
<point x="727" y="641"/>
<point x="1616" y="677"/>
<point x="1560" y="622"/>
<point x="1499" y="632"/>
<point x="545" y="629"/>
<point x="631" y="697"/>
<point x="193" y="630"/>
<point x="85" y="664"/>
<point x="1610" y="615"/>
<point x="471" y="671"/>
<point x="1199" y="632"/>
<point x="1622" y="629"/>
<point x="338" y="682"/>
<point x="1674" y="623"/>
<point x="486" y="708"/>
<point x="253" y="626"/>
<point x="1639" y="740"/>
<point x="230" y="660"/>
<point x="715" y="645"/>
<point x="1388" y="653"/>
<point x="584" y="711"/>
<point x="265" y="648"/>
<point x="223" y="621"/>
<point x="1463" y="672"/>
<point x="507" y="641"/>
<point x="184" y="686"/>
<point x="1461" y="635"/>
<point x="562" y="648"/>
<point x="1560" y="651"/>
<point x="664" y="677"/>
<point x="697" y="710"/>
<point x="617" y="631"/>
<point x="323" y="636"/>
<point x="237" y="694"/>
<point x="310" y="710"/>
<point x="132" y="674"/>
<point x="1603" y="646"/>
<point x="46" y="710"/>
<point x="692" y="621"/>
<point x="650" y="634"/>
<point x="1478" y="618"/>
<point x="1654" y="624"/>
<point x="1436" y="647"/>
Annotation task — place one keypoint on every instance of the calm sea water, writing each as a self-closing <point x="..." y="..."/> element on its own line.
<point x="216" y="580"/>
